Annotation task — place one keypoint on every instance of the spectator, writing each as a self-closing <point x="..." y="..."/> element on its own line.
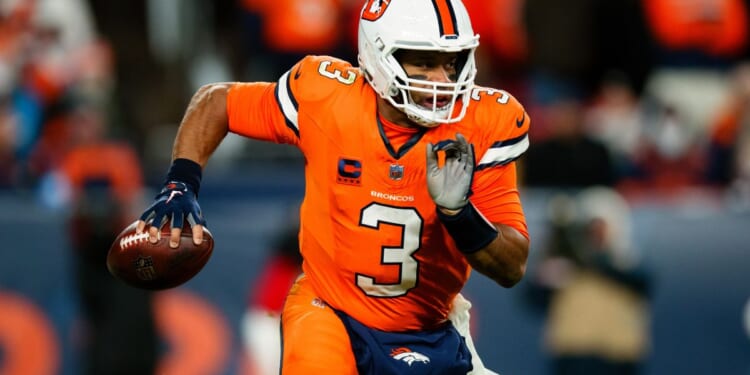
<point x="729" y="129"/>
<point x="695" y="44"/>
<point x="593" y="287"/>
<point x="279" y="33"/>
<point x="501" y="28"/>
<point x="728" y="164"/>
<point x="697" y="33"/>
<point x="575" y="43"/>
<point x="9" y="166"/>
<point x="105" y="181"/>
<point x="567" y="157"/>
<point x="616" y="118"/>
<point x="670" y="157"/>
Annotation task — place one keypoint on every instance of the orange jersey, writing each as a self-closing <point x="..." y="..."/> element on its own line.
<point x="372" y="244"/>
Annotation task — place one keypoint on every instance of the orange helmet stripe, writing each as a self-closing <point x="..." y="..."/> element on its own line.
<point x="446" y="17"/>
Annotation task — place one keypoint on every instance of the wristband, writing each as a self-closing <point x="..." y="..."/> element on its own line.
<point x="470" y="230"/>
<point x="187" y="171"/>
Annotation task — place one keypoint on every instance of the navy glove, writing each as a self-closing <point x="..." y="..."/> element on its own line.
<point x="177" y="202"/>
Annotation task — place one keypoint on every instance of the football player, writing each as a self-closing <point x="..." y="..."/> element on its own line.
<point x="410" y="184"/>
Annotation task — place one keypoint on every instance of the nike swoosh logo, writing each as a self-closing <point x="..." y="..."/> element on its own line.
<point x="172" y="195"/>
<point x="519" y="123"/>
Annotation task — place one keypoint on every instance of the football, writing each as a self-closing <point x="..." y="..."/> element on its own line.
<point x="139" y="263"/>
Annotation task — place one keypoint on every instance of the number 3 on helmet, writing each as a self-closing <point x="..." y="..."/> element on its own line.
<point x="385" y="26"/>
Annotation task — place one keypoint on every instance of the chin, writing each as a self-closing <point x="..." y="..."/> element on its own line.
<point x="440" y="116"/>
<point x="422" y="123"/>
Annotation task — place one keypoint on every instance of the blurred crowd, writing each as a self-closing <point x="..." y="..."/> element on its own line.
<point x="51" y="63"/>
<point x="640" y="95"/>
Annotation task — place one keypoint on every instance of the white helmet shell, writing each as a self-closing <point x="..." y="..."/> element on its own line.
<point x="386" y="26"/>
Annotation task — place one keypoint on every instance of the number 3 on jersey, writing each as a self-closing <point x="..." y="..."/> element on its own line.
<point x="403" y="256"/>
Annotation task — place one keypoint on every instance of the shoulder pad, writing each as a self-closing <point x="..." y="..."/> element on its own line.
<point x="499" y="110"/>
<point x="316" y="77"/>
<point x="504" y="122"/>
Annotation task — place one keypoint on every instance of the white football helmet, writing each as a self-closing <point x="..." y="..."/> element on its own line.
<point x="386" y="26"/>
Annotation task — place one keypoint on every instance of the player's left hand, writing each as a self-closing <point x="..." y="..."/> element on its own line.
<point x="450" y="186"/>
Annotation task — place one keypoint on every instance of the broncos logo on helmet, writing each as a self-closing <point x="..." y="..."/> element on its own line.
<point x="408" y="356"/>
<point x="374" y="9"/>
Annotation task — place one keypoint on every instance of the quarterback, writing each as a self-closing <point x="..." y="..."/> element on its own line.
<point x="410" y="183"/>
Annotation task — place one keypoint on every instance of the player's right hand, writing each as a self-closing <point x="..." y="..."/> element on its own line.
<point x="176" y="202"/>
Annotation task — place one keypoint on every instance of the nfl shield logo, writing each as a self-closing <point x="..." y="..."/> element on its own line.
<point x="144" y="268"/>
<point x="396" y="172"/>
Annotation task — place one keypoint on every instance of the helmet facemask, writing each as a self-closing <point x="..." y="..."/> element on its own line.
<point x="446" y="101"/>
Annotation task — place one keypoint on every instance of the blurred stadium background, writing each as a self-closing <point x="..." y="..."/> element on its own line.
<point x="648" y="97"/>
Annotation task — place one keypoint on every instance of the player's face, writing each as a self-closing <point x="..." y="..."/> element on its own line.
<point x="439" y="67"/>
